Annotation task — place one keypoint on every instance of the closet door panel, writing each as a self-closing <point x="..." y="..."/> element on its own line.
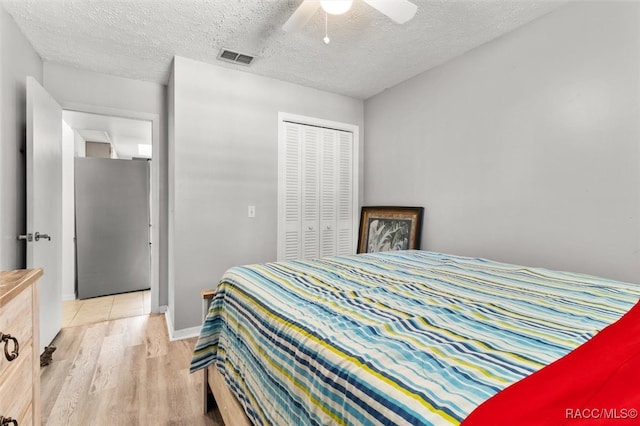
<point x="328" y="188"/>
<point x="310" y="191"/>
<point x="345" y="193"/>
<point x="291" y="170"/>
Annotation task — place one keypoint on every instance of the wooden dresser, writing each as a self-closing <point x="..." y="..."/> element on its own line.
<point x="19" y="348"/>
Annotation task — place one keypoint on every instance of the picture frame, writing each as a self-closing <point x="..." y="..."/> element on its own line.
<point x="385" y="228"/>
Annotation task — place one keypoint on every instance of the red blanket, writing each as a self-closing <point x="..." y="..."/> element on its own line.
<point x="597" y="383"/>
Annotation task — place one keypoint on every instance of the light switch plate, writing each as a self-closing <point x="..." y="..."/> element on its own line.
<point x="251" y="212"/>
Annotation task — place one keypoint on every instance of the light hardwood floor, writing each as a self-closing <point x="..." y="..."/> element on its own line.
<point x="80" y="312"/>
<point x="122" y="372"/>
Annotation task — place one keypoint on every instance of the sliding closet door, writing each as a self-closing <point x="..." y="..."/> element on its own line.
<point x="315" y="190"/>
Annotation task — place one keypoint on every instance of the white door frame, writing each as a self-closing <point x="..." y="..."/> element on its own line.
<point x="155" y="182"/>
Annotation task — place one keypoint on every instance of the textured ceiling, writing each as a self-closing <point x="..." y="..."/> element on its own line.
<point x="368" y="52"/>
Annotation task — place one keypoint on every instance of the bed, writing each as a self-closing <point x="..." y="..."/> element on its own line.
<point x="409" y="337"/>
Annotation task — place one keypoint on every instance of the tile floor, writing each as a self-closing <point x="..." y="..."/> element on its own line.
<point x="81" y="312"/>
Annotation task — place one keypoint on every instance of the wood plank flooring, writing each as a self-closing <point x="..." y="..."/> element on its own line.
<point x="122" y="372"/>
<point x="87" y="311"/>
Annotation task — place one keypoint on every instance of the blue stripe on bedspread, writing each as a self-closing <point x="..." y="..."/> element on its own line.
<point x="412" y="337"/>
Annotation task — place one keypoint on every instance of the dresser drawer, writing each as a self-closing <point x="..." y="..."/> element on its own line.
<point x="16" y="382"/>
<point x="20" y="378"/>
<point x="16" y="319"/>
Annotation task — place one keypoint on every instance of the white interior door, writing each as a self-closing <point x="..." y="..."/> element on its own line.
<point x="44" y="204"/>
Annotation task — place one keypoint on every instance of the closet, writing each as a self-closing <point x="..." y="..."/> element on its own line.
<point x="317" y="188"/>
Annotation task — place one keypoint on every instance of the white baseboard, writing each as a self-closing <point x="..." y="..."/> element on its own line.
<point x="71" y="296"/>
<point x="184" y="333"/>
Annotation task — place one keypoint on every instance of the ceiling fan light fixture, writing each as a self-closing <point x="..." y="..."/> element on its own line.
<point x="336" y="7"/>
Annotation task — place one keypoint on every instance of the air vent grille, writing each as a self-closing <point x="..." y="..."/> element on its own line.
<point x="228" y="55"/>
<point x="235" y="57"/>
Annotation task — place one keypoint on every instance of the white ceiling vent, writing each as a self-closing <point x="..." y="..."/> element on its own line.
<point x="235" y="57"/>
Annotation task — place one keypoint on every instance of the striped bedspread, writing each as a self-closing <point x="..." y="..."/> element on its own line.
<point x="396" y="338"/>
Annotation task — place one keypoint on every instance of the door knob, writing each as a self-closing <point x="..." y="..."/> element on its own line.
<point x="25" y="237"/>
<point x="38" y="236"/>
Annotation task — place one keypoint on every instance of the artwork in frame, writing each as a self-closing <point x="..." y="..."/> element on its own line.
<point x="389" y="228"/>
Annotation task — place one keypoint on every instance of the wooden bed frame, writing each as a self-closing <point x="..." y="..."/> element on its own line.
<point x="215" y="390"/>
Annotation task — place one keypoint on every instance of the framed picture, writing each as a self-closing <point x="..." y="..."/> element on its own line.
<point x="389" y="228"/>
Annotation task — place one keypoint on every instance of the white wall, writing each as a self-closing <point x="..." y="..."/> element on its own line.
<point x="72" y="88"/>
<point x="526" y="149"/>
<point x="17" y="60"/>
<point x="224" y="149"/>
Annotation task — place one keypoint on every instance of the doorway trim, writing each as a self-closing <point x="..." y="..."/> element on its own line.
<point x="155" y="183"/>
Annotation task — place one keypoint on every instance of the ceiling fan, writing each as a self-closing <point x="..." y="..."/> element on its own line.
<point x="399" y="11"/>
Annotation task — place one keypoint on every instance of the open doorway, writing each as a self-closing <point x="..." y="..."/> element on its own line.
<point x="107" y="169"/>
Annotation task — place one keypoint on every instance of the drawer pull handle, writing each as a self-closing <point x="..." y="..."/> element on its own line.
<point x="10" y="355"/>
<point x="5" y="421"/>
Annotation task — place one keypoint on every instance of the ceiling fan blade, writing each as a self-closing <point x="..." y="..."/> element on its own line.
<point x="301" y="16"/>
<point x="400" y="11"/>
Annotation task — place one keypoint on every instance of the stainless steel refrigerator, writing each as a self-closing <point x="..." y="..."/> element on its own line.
<point x="112" y="226"/>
